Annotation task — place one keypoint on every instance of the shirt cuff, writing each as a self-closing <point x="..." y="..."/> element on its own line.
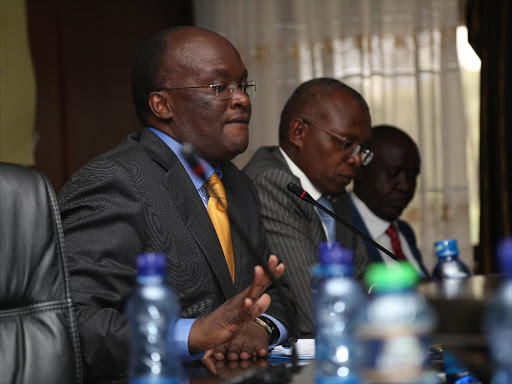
<point x="283" y="331"/>
<point x="181" y="333"/>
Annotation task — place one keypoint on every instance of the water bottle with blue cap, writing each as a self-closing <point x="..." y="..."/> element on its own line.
<point x="337" y="303"/>
<point x="152" y="313"/>
<point x="449" y="266"/>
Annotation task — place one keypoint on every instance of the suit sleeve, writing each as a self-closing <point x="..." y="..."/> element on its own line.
<point x="290" y="238"/>
<point x="103" y="227"/>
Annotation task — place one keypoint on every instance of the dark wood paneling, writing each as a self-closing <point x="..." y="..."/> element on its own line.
<point x="83" y="52"/>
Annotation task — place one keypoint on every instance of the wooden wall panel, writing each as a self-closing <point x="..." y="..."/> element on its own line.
<point x="83" y="52"/>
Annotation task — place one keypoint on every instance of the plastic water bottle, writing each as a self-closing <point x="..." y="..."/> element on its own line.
<point x="336" y="305"/>
<point x="152" y="313"/>
<point x="396" y="327"/>
<point x="498" y="319"/>
<point x="449" y="265"/>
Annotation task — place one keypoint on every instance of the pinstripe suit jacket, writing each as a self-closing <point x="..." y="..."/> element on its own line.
<point x="138" y="198"/>
<point x="294" y="228"/>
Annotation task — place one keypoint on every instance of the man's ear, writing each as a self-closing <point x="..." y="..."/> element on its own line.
<point x="160" y="105"/>
<point x="296" y="132"/>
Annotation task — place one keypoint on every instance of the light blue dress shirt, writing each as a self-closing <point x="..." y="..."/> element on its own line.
<point x="329" y="222"/>
<point x="183" y="326"/>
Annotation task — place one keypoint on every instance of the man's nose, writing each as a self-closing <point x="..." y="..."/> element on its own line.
<point x="355" y="160"/>
<point x="240" y="99"/>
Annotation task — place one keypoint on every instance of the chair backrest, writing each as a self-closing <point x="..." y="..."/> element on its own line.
<point x="38" y="333"/>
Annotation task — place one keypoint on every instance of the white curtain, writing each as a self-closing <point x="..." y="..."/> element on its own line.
<point x="401" y="55"/>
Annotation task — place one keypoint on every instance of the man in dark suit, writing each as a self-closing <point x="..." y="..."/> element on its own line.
<point x="383" y="190"/>
<point x="324" y="128"/>
<point x="189" y="85"/>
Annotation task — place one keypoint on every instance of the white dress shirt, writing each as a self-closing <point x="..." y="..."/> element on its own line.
<point x="306" y="185"/>
<point x="377" y="229"/>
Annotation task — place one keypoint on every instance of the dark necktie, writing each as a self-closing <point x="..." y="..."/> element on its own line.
<point x="395" y="242"/>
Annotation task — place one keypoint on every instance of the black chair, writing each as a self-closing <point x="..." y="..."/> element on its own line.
<point x="38" y="333"/>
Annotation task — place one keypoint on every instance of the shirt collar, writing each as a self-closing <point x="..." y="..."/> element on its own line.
<point x="304" y="180"/>
<point x="176" y="148"/>
<point x="375" y="225"/>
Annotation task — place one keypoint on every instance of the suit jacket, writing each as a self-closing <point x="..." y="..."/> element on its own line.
<point x="295" y="229"/>
<point x="403" y="227"/>
<point x="138" y="198"/>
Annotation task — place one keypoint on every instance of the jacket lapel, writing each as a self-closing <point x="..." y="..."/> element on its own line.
<point x="190" y="207"/>
<point x="373" y="253"/>
<point x="409" y="236"/>
<point x="315" y="226"/>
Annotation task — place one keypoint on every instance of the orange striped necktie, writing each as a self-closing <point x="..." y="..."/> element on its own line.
<point x="218" y="211"/>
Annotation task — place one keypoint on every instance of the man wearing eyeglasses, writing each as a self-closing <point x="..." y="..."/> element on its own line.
<point x="383" y="190"/>
<point x="189" y="85"/>
<point x="324" y="129"/>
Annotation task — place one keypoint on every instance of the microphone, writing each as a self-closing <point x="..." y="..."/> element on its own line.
<point x="303" y="195"/>
<point x="187" y="150"/>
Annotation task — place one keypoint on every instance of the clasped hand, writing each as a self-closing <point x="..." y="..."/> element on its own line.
<point x="229" y="331"/>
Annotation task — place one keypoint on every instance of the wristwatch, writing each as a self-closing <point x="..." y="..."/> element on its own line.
<point x="270" y="327"/>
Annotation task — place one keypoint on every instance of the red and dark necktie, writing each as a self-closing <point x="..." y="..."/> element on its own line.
<point x="395" y="242"/>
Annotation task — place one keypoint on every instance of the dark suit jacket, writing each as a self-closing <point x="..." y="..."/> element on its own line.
<point x="138" y="198"/>
<point x="403" y="227"/>
<point x="295" y="229"/>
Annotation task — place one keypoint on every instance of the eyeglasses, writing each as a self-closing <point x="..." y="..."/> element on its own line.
<point x="348" y="146"/>
<point x="224" y="89"/>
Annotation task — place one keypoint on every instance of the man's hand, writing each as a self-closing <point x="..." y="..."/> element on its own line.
<point x="216" y="332"/>
<point x="251" y="340"/>
<point x="227" y="369"/>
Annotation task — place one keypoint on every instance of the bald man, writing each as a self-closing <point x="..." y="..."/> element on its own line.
<point x="323" y="133"/>
<point x="189" y="85"/>
<point x="382" y="190"/>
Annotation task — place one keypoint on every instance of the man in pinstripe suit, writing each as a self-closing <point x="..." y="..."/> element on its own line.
<point x="324" y="128"/>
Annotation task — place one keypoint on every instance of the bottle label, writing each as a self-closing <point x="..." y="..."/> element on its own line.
<point x="395" y="354"/>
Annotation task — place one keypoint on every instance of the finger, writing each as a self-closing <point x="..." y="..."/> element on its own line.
<point x="209" y="363"/>
<point x="219" y="353"/>
<point x="259" y="284"/>
<point x="208" y="354"/>
<point x="275" y="268"/>
<point x="261" y="352"/>
<point x="272" y="263"/>
<point x="260" y="306"/>
<point x="219" y="356"/>
<point x="234" y="351"/>
<point x="246" y="352"/>
<point x="279" y="271"/>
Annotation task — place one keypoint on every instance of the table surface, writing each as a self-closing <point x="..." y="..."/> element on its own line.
<point x="460" y="307"/>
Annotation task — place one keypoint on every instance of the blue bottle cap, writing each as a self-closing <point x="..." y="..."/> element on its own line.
<point x="334" y="253"/>
<point x="151" y="264"/>
<point x="445" y="248"/>
<point x="505" y="256"/>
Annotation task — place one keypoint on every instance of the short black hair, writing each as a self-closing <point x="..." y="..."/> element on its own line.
<point x="386" y="133"/>
<point x="386" y="130"/>
<point x="146" y="71"/>
<point x="308" y="95"/>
